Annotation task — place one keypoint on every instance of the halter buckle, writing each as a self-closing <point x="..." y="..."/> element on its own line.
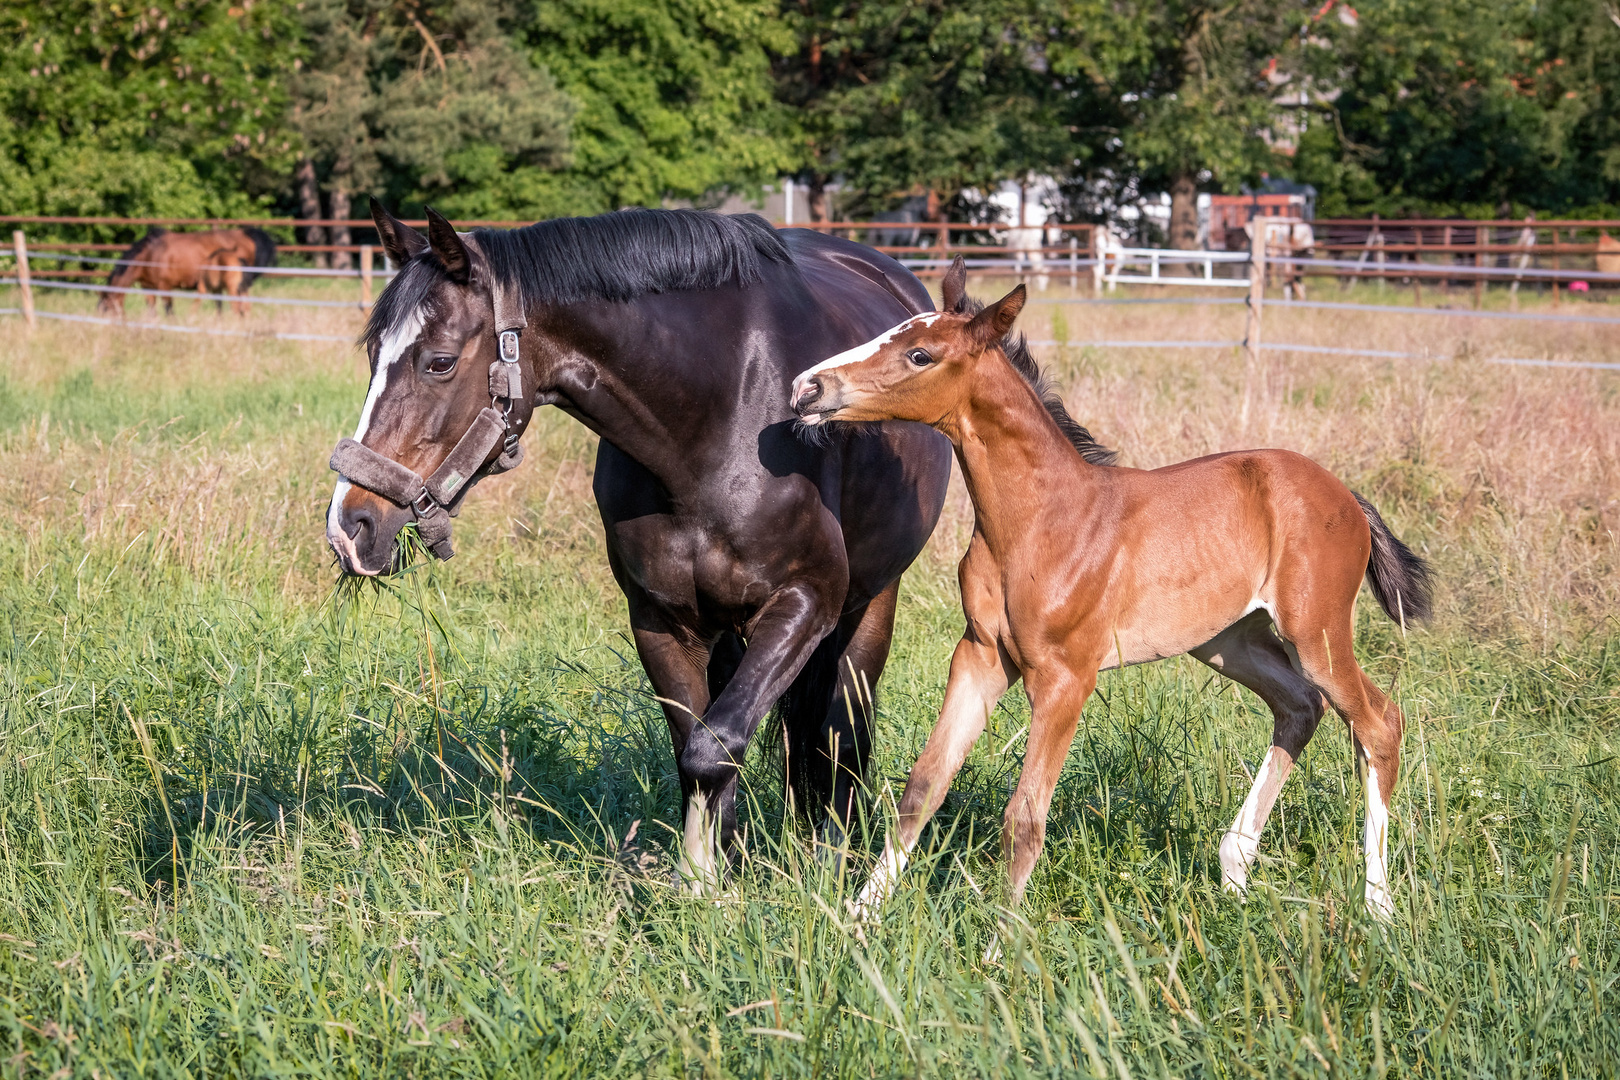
<point x="509" y="346"/>
<point x="423" y="504"/>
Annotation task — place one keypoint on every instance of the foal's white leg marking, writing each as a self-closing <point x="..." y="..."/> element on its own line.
<point x="881" y="884"/>
<point x="1241" y="844"/>
<point x="859" y="353"/>
<point x="699" y="864"/>
<point x="1376" y="840"/>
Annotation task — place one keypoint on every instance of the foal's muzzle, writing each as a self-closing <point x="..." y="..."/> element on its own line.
<point x="811" y="400"/>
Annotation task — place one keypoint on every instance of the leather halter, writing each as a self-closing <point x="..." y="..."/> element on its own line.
<point x="437" y="499"/>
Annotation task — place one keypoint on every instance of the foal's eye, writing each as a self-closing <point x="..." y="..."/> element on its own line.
<point x="920" y="357"/>
<point x="440" y="365"/>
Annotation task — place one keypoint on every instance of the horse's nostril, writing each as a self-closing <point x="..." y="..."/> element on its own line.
<point x="360" y="526"/>
<point x="810" y="394"/>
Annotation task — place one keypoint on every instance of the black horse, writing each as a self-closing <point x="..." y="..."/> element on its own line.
<point x="759" y="566"/>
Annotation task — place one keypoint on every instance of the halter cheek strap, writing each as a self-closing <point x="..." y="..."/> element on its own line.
<point x="437" y="499"/>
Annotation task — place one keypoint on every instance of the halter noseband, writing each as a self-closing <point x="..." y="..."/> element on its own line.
<point x="437" y="499"/>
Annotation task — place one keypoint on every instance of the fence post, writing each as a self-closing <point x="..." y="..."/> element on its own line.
<point x="365" y="276"/>
<point x="24" y="284"/>
<point x="1098" y="253"/>
<point x="1259" y="234"/>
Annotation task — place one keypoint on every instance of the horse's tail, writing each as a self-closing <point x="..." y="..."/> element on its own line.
<point x="1400" y="580"/>
<point x="264" y="254"/>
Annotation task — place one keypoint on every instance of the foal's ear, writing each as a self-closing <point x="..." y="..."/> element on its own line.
<point x="449" y="248"/>
<point x="953" y="290"/>
<point x="399" y="241"/>
<point x="993" y="322"/>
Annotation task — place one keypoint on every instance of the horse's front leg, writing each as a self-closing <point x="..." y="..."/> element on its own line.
<point x="781" y="637"/>
<point x="980" y="674"/>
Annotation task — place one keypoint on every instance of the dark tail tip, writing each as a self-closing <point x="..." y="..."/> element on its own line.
<point x="1401" y="580"/>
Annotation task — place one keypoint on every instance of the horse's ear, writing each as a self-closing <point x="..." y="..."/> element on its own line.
<point x="994" y="321"/>
<point x="953" y="290"/>
<point x="449" y="248"/>
<point x="399" y="241"/>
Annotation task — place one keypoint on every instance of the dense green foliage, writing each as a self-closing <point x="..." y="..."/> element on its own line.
<point x="427" y="104"/>
<point x="172" y="107"/>
<point x="1468" y="106"/>
<point x="523" y="108"/>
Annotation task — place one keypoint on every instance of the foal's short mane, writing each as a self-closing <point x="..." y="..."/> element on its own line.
<point x="616" y="257"/>
<point x="1016" y="348"/>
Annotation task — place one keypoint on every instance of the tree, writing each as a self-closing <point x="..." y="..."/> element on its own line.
<point x="674" y="97"/>
<point x="1461" y="106"/>
<point x="896" y="97"/>
<point x="161" y="108"/>
<point x="1178" y="92"/>
<point x="422" y="101"/>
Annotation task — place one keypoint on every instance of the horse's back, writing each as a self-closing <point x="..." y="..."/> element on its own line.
<point x="840" y="273"/>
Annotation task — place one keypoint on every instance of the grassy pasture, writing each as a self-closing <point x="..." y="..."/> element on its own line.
<point x="253" y="825"/>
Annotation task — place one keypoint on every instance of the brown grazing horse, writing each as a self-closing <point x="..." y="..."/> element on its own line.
<point x="1075" y="567"/>
<point x="218" y="261"/>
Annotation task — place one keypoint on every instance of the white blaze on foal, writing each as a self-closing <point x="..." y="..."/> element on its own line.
<point x="856" y="355"/>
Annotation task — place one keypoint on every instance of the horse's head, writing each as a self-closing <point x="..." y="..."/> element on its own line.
<point x="918" y="370"/>
<point x="445" y="403"/>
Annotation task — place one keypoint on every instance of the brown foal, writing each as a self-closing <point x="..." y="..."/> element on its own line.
<point x="1075" y="567"/>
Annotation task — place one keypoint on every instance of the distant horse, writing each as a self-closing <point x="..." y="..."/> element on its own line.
<point x="757" y="567"/>
<point x="220" y="261"/>
<point x="1249" y="561"/>
<point x="1284" y="239"/>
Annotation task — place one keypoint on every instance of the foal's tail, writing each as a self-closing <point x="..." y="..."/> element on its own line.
<point x="1401" y="581"/>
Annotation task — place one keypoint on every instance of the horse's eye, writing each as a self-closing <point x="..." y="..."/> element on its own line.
<point x="920" y="357"/>
<point x="440" y="365"/>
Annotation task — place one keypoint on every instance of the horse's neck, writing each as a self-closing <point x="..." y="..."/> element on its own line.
<point x="619" y="377"/>
<point x="1015" y="461"/>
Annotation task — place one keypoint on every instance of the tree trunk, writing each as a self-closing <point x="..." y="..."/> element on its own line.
<point x="309" y="205"/>
<point x="817" y="197"/>
<point x="1183" y="218"/>
<point x="338" y="200"/>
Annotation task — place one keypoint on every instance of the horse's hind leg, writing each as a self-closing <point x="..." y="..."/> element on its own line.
<point x="1323" y="637"/>
<point x="1250" y="654"/>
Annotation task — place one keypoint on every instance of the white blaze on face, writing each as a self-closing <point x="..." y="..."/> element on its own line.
<point x="1376" y="841"/>
<point x="394" y="346"/>
<point x="857" y="355"/>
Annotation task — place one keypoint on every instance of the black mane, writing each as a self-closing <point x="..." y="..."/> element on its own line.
<point x="136" y="250"/>
<point x="1016" y="347"/>
<point x="615" y="257"/>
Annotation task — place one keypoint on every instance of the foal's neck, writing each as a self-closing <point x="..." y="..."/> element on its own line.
<point x="1015" y="460"/>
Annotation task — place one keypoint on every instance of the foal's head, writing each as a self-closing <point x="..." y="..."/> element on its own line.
<point x="924" y="368"/>
<point x="919" y="370"/>
<point x="430" y="342"/>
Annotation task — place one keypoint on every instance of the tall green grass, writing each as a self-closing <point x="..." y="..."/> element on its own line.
<point x="250" y="825"/>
